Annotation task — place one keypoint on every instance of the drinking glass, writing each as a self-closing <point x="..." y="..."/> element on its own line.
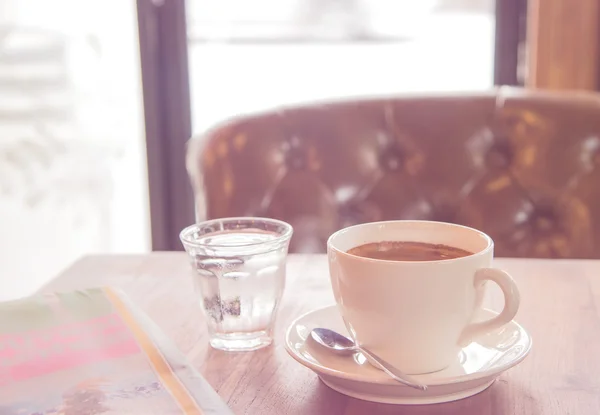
<point x="239" y="277"/>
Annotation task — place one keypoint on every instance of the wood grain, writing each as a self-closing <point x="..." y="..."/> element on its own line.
<point x="560" y="308"/>
<point x="563" y="44"/>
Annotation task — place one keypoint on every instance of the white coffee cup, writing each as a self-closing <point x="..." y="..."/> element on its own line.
<point x="416" y="314"/>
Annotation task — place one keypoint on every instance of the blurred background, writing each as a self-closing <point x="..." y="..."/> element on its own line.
<point x="99" y="97"/>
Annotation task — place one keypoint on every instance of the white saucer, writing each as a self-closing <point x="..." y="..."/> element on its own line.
<point x="475" y="369"/>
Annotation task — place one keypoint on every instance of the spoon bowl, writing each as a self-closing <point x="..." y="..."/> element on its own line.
<point x="342" y="345"/>
<point x="334" y="341"/>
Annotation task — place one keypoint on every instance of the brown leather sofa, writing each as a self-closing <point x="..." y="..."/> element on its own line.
<point x="522" y="166"/>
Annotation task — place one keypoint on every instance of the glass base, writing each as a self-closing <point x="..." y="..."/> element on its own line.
<point x="241" y="342"/>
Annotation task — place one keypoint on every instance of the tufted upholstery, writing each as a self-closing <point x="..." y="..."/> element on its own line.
<point x="522" y="166"/>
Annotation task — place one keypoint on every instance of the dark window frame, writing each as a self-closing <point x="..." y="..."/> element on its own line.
<point x="167" y="113"/>
<point x="509" y="45"/>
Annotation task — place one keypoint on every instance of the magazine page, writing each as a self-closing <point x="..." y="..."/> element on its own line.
<point x="93" y="352"/>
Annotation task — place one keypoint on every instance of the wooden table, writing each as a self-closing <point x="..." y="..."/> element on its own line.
<point x="560" y="308"/>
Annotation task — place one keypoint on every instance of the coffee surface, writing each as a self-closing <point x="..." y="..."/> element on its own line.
<point x="408" y="251"/>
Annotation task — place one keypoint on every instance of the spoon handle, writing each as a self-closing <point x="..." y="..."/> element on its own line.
<point x="393" y="372"/>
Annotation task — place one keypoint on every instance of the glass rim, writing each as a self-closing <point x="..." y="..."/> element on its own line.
<point x="184" y="235"/>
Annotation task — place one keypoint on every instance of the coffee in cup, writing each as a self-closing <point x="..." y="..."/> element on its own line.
<point x="408" y="251"/>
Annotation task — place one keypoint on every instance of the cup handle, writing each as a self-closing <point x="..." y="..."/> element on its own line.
<point x="512" y="298"/>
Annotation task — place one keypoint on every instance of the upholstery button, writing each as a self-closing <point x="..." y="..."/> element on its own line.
<point x="300" y="156"/>
<point x="543" y="221"/>
<point x="295" y="159"/>
<point x="391" y="159"/>
<point x="500" y="154"/>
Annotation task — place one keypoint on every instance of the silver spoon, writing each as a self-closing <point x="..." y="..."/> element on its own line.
<point x="343" y="345"/>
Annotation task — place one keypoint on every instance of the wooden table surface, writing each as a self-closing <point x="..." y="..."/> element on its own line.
<point x="560" y="308"/>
